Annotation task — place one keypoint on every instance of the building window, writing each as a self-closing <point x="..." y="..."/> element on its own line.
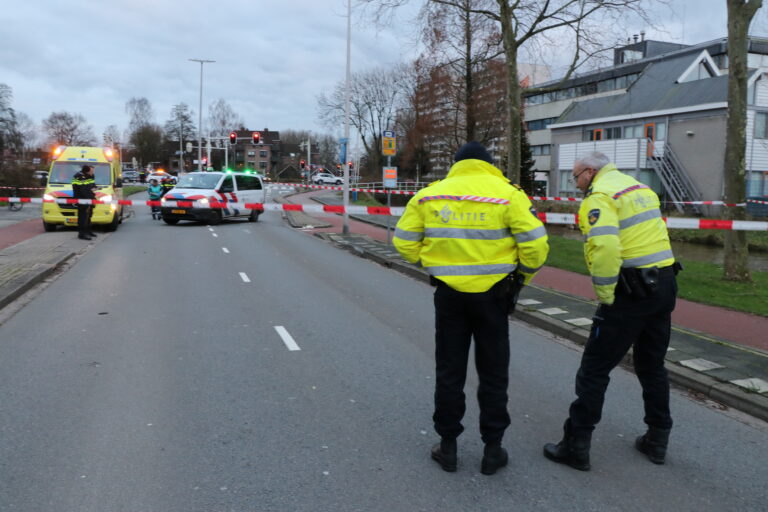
<point x="541" y="150"/>
<point x="661" y="131"/>
<point x="262" y="165"/>
<point x="565" y="182"/>
<point x="251" y="153"/>
<point x="613" y="133"/>
<point x="540" y="124"/>
<point x="760" y="125"/>
<point x="263" y="153"/>
<point x="634" y="131"/>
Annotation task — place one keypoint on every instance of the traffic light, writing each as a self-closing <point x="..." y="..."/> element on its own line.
<point x="233" y="138"/>
<point x="256" y="137"/>
<point x="302" y="164"/>
<point x="351" y="165"/>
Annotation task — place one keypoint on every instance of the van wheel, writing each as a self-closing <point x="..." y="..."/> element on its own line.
<point x="49" y="227"/>
<point x="215" y="219"/>
<point x="338" y="182"/>
<point x="254" y="216"/>
<point x="170" y="222"/>
<point x="115" y="221"/>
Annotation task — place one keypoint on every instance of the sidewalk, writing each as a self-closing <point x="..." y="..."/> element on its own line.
<point x="719" y="353"/>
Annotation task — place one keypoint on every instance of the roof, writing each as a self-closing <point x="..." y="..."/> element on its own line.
<point x="655" y="90"/>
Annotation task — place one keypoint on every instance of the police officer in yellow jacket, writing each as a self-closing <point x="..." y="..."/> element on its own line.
<point x="83" y="187"/>
<point x="474" y="233"/>
<point x="633" y="273"/>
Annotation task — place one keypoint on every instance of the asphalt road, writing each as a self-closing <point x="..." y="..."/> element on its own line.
<point x="151" y="376"/>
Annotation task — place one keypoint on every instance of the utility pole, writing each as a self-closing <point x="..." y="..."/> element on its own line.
<point x="345" y="229"/>
<point x="200" y="116"/>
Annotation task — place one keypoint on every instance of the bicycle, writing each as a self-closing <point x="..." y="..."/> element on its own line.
<point x="13" y="206"/>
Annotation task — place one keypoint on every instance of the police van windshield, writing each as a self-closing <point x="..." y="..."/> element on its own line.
<point x="199" y="180"/>
<point x="63" y="172"/>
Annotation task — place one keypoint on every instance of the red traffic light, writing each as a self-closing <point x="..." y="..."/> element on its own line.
<point x="302" y="164"/>
<point x="233" y="138"/>
<point x="256" y="137"/>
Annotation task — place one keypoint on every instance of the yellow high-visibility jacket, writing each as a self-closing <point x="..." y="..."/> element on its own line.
<point x="623" y="227"/>
<point x="472" y="229"/>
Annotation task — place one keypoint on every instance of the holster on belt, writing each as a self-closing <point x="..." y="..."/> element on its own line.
<point x="639" y="283"/>
<point x="515" y="282"/>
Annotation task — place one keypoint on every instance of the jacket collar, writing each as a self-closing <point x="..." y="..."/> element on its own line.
<point x="602" y="172"/>
<point x="472" y="167"/>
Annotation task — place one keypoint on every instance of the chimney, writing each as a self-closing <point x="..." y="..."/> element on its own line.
<point x="642" y="35"/>
<point x="634" y="36"/>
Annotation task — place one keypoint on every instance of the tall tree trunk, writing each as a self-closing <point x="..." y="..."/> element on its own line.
<point x="513" y="93"/>
<point x="740" y="14"/>
<point x="469" y="99"/>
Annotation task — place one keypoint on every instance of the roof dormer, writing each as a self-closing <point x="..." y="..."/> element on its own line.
<point x="702" y="67"/>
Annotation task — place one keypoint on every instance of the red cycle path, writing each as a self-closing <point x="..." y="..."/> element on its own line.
<point x="15" y="233"/>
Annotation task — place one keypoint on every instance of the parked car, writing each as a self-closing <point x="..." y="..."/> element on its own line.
<point x="326" y="178"/>
<point x="130" y="175"/>
<point x="160" y="175"/>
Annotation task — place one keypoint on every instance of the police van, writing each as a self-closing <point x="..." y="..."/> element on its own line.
<point x="214" y="188"/>
<point x="68" y="161"/>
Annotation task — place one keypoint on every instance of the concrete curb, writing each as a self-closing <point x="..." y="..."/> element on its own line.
<point x="723" y="392"/>
<point x="22" y="284"/>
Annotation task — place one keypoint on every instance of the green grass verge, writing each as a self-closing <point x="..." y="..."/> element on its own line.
<point x="757" y="240"/>
<point x="698" y="282"/>
<point x="133" y="189"/>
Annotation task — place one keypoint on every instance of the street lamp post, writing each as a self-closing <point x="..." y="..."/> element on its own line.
<point x="200" y="116"/>
<point x="345" y="227"/>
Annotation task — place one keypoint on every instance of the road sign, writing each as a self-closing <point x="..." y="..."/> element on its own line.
<point x="388" y="146"/>
<point x="388" y="133"/>
<point x="390" y="177"/>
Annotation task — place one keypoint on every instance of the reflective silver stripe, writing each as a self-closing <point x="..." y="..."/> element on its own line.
<point x="468" y="234"/>
<point x="528" y="270"/>
<point x="640" y="217"/>
<point x="603" y="230"/>
<point x="648" y="260"/>
<point x="411" y="236"/>
<point x="530" y="236"/>
<point x="605" y="281"/>
<point x="471" y="270"/>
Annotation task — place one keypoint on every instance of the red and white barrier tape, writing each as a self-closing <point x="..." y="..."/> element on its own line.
<point x="547" y="218"/>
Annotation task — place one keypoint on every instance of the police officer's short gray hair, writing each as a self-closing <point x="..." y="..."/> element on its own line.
<point x="595" y="160"/>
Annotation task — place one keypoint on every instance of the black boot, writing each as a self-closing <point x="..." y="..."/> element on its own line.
<point x="573" y="450"/>
<point x="654" y="444"/>
<point x="444" y="453"/>
<point x="494" y="457"/>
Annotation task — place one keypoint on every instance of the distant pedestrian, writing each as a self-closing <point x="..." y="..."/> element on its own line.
<point x="479" y="240"/>
<point x="633" y="273"/>
<point x="83" y="187"/>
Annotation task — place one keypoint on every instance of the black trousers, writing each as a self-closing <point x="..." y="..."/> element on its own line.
<point x="84" y="219"/>
<point x="459" y="317"/>
<point x="644" y="324"/>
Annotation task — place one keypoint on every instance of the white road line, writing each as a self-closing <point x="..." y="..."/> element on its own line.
<point x="210" y="229"/>
<point x="287" y="338"/>
<point x="214" y="234"/>
<point x="225" y="250"/>
<point x="244" y="277"/>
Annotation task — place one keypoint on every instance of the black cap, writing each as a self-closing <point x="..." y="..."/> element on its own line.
<point x="473" y="150"/>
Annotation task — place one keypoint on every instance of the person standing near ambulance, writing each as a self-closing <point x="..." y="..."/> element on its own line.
<point x="633" y="272"/>
<point x="83" y="187"/>
<point x="479" y="240"/>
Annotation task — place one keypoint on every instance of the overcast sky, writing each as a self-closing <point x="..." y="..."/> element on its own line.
<point x="272" y="57"/>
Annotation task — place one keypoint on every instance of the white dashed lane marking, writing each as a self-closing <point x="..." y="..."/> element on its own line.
<point x="553" y="311"/>
<point x="753" y="384"/>
<point x="287" y="338"/>
<point x="244" y="277"/>
<point x="580" y="321"/>
<point x="214" y="234"/>
<point x="528" y="302"/>
<point x="226" y="251"/>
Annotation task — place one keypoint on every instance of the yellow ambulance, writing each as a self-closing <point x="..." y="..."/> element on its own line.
<point x="68" y="161"/>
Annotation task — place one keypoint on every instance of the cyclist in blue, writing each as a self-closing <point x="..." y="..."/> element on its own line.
<point x="155" y="191"/>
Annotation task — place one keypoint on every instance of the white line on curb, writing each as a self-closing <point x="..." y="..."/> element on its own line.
<point x="287" y="338"/>
<point x="244" y="277"/>
<point x="225" y="250"/>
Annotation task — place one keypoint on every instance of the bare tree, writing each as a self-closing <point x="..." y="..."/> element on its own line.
<point x="140" y="112"/>
<point x="222" y="118"/>
<point x="521" y="22"/>
<point x="30" y="132"/>
<point x="68" y="129"/>
<point x="375" y="96"/>
<point x="180" y="125"/>
<point x="111" y="135"/>
<point x="740" y="14"/>
<point x="9" y="134"/>
<point x="148" y="143"/>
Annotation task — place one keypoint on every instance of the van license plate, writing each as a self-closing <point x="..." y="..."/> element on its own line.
<point x="180" y="212"/>
<point x="70" y="221"/>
